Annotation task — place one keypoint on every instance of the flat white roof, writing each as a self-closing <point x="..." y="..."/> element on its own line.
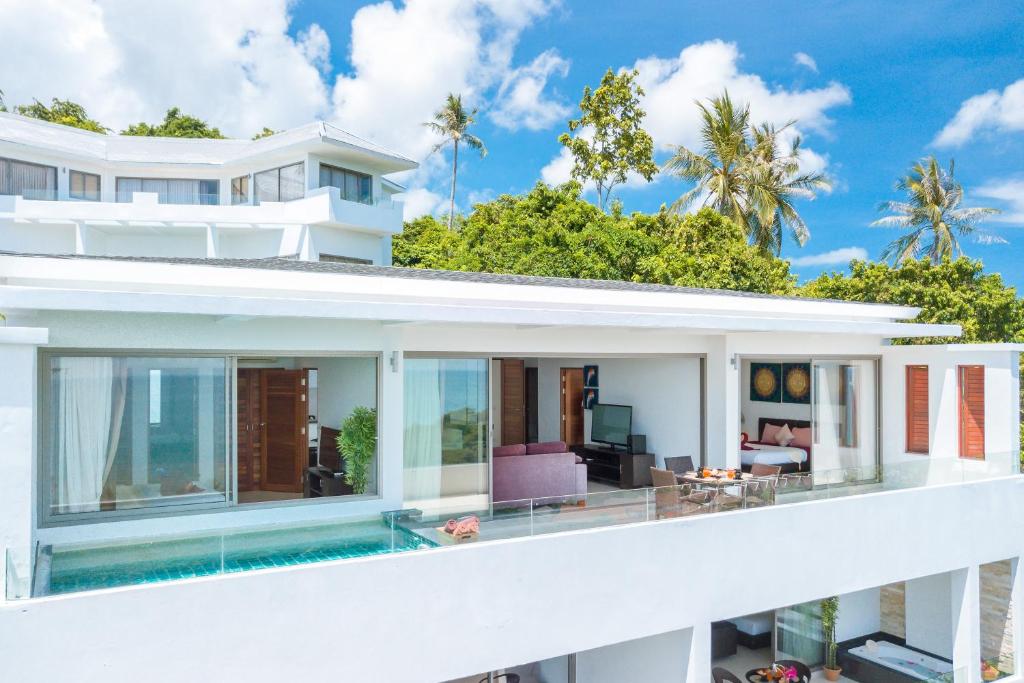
<point x="75" y="142"/>
<point x="289" y="288"/>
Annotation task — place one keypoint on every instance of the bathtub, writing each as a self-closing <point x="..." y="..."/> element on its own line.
<point x="911" y="663"/>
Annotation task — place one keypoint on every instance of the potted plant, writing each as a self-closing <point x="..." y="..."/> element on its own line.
<point x="829" y="613"/>
<point x="357" y="443"/>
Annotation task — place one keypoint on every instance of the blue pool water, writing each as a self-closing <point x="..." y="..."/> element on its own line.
<point x="73" y="569"/>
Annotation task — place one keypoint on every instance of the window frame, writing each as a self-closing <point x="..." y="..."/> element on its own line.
<point x="277" y="171"/>
<point x="84" y="196"/>
<point x="343" y="188"/>
<point x="46" y="462"/>
<point x="242" y="196"/>
<point x="9" y="189"/>
<point x="215" y="182"/>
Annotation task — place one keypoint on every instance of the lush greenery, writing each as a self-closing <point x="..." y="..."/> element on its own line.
<point x="951" y="291"/>
<point x="829" y="614"/>
<point x="931" y="216"/>
<point x="265" y="133"/>
<point x="64" y="112"/>
<point x="452" y="122"/>
<point x="174" y="125"/>
<point x="607" y="141"/>
<point x="746" y="174"/>
<point x="552" y="231"/>
<point x="357" y="443"/>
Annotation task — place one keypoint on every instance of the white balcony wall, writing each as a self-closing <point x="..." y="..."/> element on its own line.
<point x="519" y="601"/>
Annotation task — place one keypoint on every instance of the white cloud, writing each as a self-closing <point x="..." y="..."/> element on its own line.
<point x="520" y="101"/>
<point x="992" y="110"/>
<point x="559" y="169"/>
<point x="804" y="59"/>
<point x="836" y="257"/>
<point x="232" y="62"/>
<point x="1009" y="191"/>
<point x="420" y="201"/>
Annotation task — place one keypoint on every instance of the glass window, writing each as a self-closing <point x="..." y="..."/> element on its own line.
<point x="280" y="184"/>
<point x="84" y="186"/>
<point x="130" y="433"/>
<point x="446" y="451"/>
<point x="170" y="190"/>
<point x="31" y="181"/>
<point x="240" y="190"/>
<point x="354" y="186"/>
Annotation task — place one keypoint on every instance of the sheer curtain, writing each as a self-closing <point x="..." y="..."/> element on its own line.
<point x="85" y="392"/>
<point x="423" y="420"/>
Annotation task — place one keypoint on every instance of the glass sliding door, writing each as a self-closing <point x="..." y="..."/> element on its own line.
<point x="844" y="420"/>
<point x="798" y="634"/>
<point x="134" y="433"/>
<point x="447" y="457"/>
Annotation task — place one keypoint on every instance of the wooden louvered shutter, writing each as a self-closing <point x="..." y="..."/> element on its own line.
<point x="917" y="409"/>
<point x="971" y="386"/>
<point x="513" y="402"/>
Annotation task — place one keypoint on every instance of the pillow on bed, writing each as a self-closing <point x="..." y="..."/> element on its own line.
<point x="801" y="437"/>
<point x="784" y="436"/>
<point x="768" y="435"/>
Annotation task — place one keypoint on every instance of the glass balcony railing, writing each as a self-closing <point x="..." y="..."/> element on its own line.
<point x="170" y="198"/>
<point x="75" y="567"/>
<point x="49" y="195"/>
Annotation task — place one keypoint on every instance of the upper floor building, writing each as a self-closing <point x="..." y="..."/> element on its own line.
<point x="315" y="193"/>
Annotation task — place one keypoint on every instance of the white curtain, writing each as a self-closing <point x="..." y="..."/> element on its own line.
<point x="85" y="388"/>
<point x="422" y="429"/>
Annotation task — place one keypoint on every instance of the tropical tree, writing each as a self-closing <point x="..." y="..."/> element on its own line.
<point x="175" y="125"/>
<point x="452" y="122"/>
<point x="64" y="112"/>
<point x="746" y="173"/>
<point x="931" y="215"/>
<point x="265" y="133"/>
<point x="607" y="141"/>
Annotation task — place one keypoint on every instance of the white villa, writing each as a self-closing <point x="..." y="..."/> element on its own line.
<point x="666" y="482"/>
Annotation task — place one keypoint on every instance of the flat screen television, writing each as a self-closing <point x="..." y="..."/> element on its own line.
<point x="611" y="424"/>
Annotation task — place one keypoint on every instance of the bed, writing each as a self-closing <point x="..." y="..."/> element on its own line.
<point x="789" y="458"/>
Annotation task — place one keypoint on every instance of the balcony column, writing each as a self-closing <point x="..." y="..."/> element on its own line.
<point x="664" y="657"/>
<point x="212" y="242"/>
<point x="722" y="404"/>
<point x="18" y="350"/>
<point x="82" y="238"/>
<point x="1017" y="614"/>
<point x="296" y="242"/>
<point x="965" y="601"/>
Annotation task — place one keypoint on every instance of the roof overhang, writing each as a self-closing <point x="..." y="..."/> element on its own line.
<point x="41" y="283"/>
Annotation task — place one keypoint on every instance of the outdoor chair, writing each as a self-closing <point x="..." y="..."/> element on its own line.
<point x="722" y="675"/>
<point x="680" y="464"/>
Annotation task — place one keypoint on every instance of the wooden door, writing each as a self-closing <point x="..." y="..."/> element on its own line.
<point x="249" y="429"/>
<point x="283" y="408"/>
<point x="917" y="409"/>
<point x="971" y="386"/>
<point x="572" y="406"/>
<point x="513" y="401"/>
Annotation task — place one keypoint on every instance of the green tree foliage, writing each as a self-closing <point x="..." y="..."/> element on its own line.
<point x="552" y="231"/>
<point x="744" y="172"/>
<point x="452" y="122"/>
<point x="931" y="214"/>
<point x="951" y="291"/>
<point x="265" y="133"/>
<point x="608" y="141"/>
<point x="175" y="125"/>
<point x="357" y="442"/>
<point x="64" y="112"/>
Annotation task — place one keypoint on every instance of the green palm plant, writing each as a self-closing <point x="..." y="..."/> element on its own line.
<point x="452" y="122"/>
<point x="932" y="215"/>
<point x="743" y="172"/>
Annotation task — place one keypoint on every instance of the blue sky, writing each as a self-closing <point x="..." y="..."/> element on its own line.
<point x="874" y="86"/>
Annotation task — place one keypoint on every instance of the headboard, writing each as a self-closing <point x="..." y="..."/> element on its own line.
<point x="778" y="422"/>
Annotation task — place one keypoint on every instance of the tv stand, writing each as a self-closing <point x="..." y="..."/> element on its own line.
<point x="616" y="466"/>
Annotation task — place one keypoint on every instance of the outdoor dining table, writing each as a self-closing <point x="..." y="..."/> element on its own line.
<point x="719" y="480"/>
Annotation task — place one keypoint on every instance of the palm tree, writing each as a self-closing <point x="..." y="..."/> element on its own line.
<point x="932" y="206"/>
<point x="743" y="174"/>
<point x="452" y="122"/>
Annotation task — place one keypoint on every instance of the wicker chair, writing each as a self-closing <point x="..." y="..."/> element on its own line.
<point x="722" y="675"/>
<point x="680" y="464"/>
<point x="669" y="500"/>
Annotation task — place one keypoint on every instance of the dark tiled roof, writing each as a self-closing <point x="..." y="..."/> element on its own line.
<point x="295" y="265"/>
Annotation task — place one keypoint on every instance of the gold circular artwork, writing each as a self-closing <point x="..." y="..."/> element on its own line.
<point x="798" y="383"/>
<point x="764" y="382"/>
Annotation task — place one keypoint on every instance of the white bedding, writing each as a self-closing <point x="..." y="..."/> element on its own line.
<point x="772" y="455"/>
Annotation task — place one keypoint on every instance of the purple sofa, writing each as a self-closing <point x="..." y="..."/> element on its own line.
<point x="537" y="470"/>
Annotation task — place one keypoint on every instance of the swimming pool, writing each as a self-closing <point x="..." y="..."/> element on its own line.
<point x="74" y="568"/>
